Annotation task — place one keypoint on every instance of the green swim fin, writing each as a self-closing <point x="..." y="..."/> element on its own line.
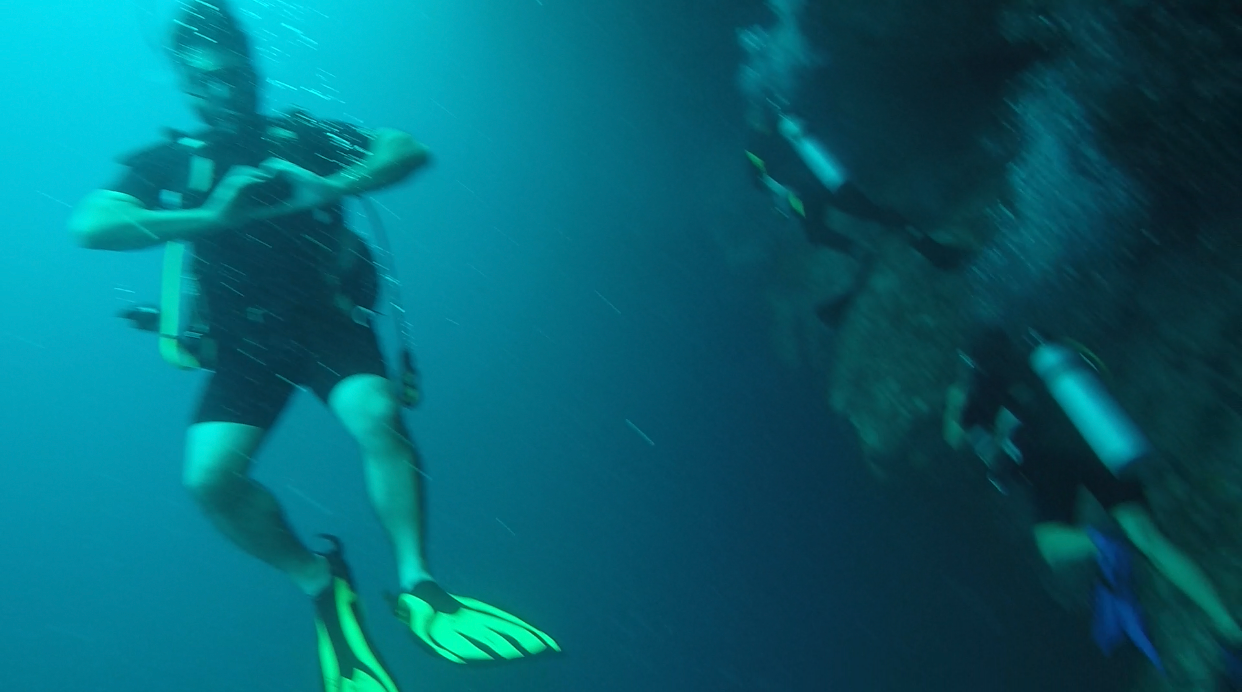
<point x="465" y="630"/>
<point x="346" y="657"/>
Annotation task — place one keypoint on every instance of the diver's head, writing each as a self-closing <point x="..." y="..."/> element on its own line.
<point x="211" y="55"/>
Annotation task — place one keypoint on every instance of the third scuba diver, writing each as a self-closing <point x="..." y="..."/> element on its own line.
<point x="1038" y="414"/>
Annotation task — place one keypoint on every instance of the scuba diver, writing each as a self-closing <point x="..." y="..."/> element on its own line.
<point x="805" y="181"/>
<point x="1037" y="413"/>
<point x="285" y="290"/>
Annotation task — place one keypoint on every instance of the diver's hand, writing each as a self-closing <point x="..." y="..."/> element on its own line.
<point x="230" y="204"/>
<point x="309" y="190"/>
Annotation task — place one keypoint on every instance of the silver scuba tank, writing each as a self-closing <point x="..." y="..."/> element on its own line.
<point x="1114" y="437"/>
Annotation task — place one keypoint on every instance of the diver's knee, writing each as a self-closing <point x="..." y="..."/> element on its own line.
<point x="212" y="488"/>
<point x="369" y="410"/>
<point x="216" y="462"/>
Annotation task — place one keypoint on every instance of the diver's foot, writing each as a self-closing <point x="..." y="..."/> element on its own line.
<point x="466" y="630"/>
<point x="1231" y="673"/>
<point x="1116" y="614"/>
<point x="1113" y="558"/>
<point x="346" y="657"/>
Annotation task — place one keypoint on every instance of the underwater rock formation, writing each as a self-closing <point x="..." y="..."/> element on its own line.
<point x="1093" y="153"/>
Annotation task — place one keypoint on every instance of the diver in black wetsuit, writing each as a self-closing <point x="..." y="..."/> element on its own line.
<point x="806" y="181"/>
<point x="1041" y="419"/>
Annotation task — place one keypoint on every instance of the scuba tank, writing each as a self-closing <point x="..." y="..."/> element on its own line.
<point x="822" y="164"/>
<point x="1114" y="437"/>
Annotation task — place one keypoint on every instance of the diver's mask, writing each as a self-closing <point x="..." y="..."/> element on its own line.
<point x="225" y="92"/>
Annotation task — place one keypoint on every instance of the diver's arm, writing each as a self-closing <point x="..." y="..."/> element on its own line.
<point x="393" y="156"/>
<point x="107" y="220"/>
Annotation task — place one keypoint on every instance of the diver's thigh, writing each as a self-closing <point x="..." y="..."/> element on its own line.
<point x="1062" y="544"/>
<point x="348" y="368"/>
<point x="216" y="450"/>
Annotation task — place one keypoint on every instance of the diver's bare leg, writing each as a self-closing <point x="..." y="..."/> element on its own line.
<point x="366" y="406"/>
<point x="1175" y="565"/>
<point x="217" y="465"/>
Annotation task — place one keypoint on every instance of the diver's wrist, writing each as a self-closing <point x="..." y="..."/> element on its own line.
<point x="341" y="185"/>
<point x="337" y="189"/>
<point x="166" y="226"/>
<point x="207" y="221"/>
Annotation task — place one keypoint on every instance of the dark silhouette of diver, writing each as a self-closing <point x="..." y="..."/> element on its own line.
<point x="806" y="181"/>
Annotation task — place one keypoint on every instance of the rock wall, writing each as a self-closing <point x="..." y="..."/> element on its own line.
<point x="1099" y="173"/>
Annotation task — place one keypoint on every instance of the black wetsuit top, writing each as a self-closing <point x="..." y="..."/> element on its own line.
<point x="282" y="266"/>
<point x="1056" y="459"/>
<point x="274" y="290"/>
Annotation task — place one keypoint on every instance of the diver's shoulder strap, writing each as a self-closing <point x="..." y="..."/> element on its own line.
<point x="171" y="347"/>
<point x="202" y="170"/>
<point x="200" y="176"/>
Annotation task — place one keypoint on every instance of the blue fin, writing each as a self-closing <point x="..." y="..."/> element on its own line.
<point x="1113" y="559"/>
<point x="1116" y="618"/>
<point x="1116" y="613"/>
<point x="1231" y="678"/>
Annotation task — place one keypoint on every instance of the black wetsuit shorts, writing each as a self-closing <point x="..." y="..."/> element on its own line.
<point x="1056" y="473"/>
<point x="262" y="359"/>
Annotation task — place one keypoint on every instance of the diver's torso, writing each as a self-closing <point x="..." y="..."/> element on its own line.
<point x="278" y="268"/>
